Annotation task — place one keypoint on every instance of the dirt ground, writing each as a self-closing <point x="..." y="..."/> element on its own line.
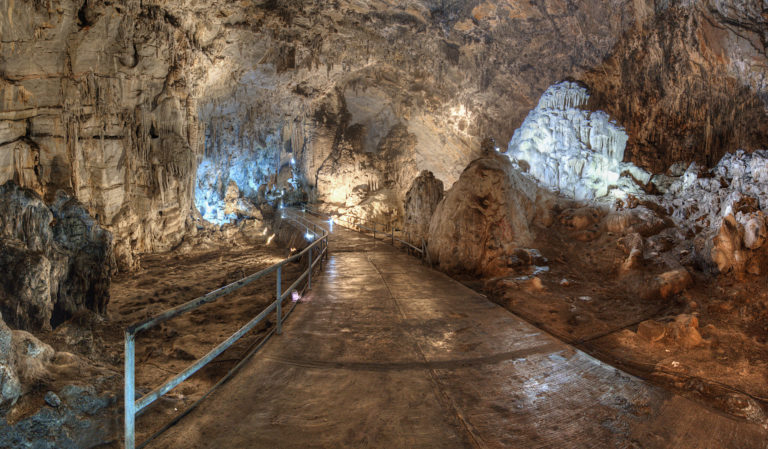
<point x="708" y="342"/>
<point x="164" y="281"/>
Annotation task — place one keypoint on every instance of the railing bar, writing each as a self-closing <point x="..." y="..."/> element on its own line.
<point x="211" y="296"/>
<point x="221" y="347"/>
<point x="221" y="382"/>
<point x="134" y="408"/>
<point x="129" y="391"/>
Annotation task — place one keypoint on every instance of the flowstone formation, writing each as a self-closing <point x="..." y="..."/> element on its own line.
<point x="573" y="151"/>
<point x="485" y="217"/>
<point x="726" y="208"/>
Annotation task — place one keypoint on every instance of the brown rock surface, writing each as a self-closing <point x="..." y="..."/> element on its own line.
<point x="484" y="218"/>
<point x="420" y="204"/>
<point x="56" y="261"/>
<point x="117" y="103"/>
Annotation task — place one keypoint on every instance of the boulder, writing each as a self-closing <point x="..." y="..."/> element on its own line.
<point x="738" y="246"/>
<point x="684" y="331"/>
<point x="651" y="330"/>
<point x="673" y="282"/>
<point x="632" y="245"/>
<point x="484" y="218"/>
<point x="640" y="219"/>
<point x="420" y="203"/>
<point x="23" y="362"/>
<point x="10" y="387"/>
<point x="755" y="232"/>
<point x="727" y="252"/>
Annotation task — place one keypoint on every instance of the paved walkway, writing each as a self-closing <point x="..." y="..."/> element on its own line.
<point x="387" y="353"/>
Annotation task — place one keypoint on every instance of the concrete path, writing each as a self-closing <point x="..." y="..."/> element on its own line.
<point x="387" y="353"/>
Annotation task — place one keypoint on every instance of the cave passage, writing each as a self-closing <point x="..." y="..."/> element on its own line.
<point x="586" y="183"/>
<point x="387" y="352"/>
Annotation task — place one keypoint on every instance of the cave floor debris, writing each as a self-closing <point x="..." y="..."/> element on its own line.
<point x="584" y="300"/>
<point x="386" y="352"/>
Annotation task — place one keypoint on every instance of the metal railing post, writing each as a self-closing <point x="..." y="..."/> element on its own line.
<point x="393" y="236"/>
<point x="374" y="230"/>
<point x="129" y="391"/>
<point x="279" y="311"/>
<point x="309" y="270"/>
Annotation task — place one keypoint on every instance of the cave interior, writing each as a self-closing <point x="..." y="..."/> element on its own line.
<point x="536" y="223"/>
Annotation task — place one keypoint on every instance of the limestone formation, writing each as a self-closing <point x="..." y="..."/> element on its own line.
<point x="144" y="111"/>
<point x="420" y="204"/>
<point x="683" y="82"/>
<point x="484" y="218"/>
<point x="573" y="151"/>
<point x="23" y="361"/>
<point x="58" y="260"/>
<point x="145" y="126"/>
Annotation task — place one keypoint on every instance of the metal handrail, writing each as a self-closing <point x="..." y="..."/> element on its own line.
<point x="309" y="225"/>
<point x="422" y="251"/>
<point x="134" y="407"/>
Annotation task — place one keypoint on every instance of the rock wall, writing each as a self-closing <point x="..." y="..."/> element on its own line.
<point x="124" y="104"/>
<point x="96" y="102"/>
<point x="56" y="261"/>
<point x="421" y="201"/>
<point x="689" y="83"/>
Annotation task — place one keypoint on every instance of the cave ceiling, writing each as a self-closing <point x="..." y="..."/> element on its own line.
<point x="121" y="103"/>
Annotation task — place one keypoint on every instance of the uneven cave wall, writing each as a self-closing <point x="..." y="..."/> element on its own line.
<point x="345" y="81"/>
<point x="96" y="102"/>
<point x="108" y="101"/>
<point x="690" y="83"/>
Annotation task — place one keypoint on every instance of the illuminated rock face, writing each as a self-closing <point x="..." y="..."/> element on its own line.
<point x="737" y="185"/>
<point x="420" y="204"/>
<point x="485" y="217"/>
<point x="573" y="151"/>
<point x="124" y="104"/>
<point x="249" y="165"/>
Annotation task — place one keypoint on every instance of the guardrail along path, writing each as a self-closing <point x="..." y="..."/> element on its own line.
<point x="385" y="352"/>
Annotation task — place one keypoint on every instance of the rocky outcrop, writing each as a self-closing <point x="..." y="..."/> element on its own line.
<point x="124" y="104"/>
<point x="573" y="151"/>
<point x="369" y="185"/>
<point x="75" y="417"/>
<point x="688" y="83"/>
<point x="96" y="102"/>
<point x="420" y="204"/>
<point x="56" y="260"/>
<point x="485" y="217"/>
<point x="739" y="247"/>
<point x="23" y="361"/>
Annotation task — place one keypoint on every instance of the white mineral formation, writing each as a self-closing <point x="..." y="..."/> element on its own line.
<point x="573" y="151"/>
<point x="737" y="185"/>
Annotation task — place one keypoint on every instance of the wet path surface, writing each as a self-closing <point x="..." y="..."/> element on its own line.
<point x="385" y="352"/>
